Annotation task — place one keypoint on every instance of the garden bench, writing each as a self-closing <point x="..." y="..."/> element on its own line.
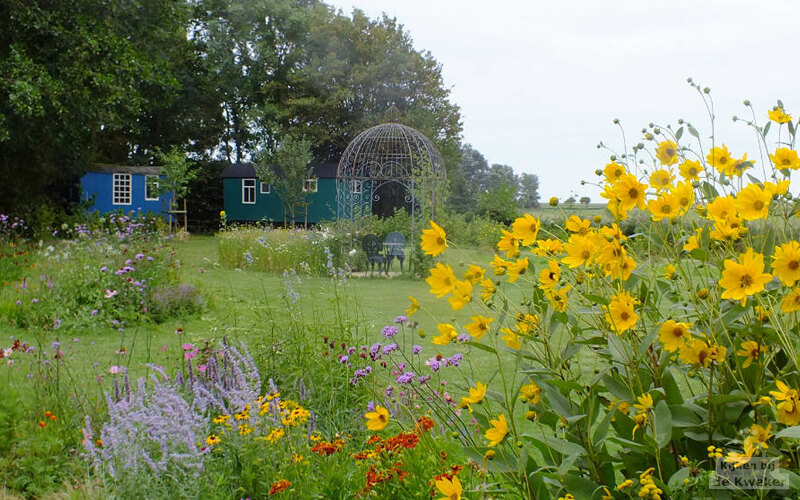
<point x="373" y="247"/>
<point x="395" y="245"/>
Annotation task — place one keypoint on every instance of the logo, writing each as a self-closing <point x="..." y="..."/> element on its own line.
<point x="754" y="473"/>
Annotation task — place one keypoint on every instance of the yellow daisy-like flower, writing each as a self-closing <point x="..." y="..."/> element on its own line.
<point x="377" y="420"/>
<point x="558" y="297"/>
<point x="684" y="196"/>
<point x="737" y="459"/>
<point x="630" y="193"/>
<point x="213" y="440"/>
<point x="476" y="395"/>
<point x="526" y="228"/>
<point x="580" y="250"/>
<point x="752" y="202"/>
<point x="751" y="351"/>
<point x="789" y="406"/>
<point x="744" y="278"/>
<point x="669" y="271"/>
<point x="791" y="303"/>
<point x="474" y="274"/>
<point x="578" y="225"/>
<point x="527" y="323"/>
<point x="785" y="159"/>
<point x="722" y="208"/>
<point x="498" y="431"/>
<point x="620" y="269"/>
<point x="739" y="166"/>
<point x="462" y="295"/>
<point x="673" y="334"/>
<point x="414" y="307"/>
<point x="667" y="153"/>
<point x="442" y="279"/>
<point x="479" y="326"/>
<point x="694" y="241"/>
<point x="499" y="265"/>
<point x="691" y="170"/>
<point x="448" y="333"/>
<point x="661" y="179"/>
<point x="221" y="419"/>
<point x="548" y="248"/>
<point x="698" y="353"/>
<point x="778" y="115"/>
<point x="510" y="338"/>
<point x="663" y="207"/>
<point x="644" y="403"/>
<point x="786" y="263"/>
<point x="761" y="314"/>
<point x="780" y="188"/>
<point x="720" y="158"/>
<point x="487" y="289"/>
<point x="450" y="488"/>
<point x="530" y="392"/>
<point x="433" y="240"/>
<point x="728" y="229"/>
<point x="613" y="204"/>
<point x="614" y="172"/>
<point x="516" y="269"/>
<point x="509" y="244"/>
<point x="550" y="276"/>
<point x="620" y="315"/>
<point x="275" y="435"/>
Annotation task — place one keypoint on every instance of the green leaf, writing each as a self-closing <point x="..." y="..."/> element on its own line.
<point x="679" y="133"/>
<point x="709" y="191"/>
<point x="482" y="347"/>
<point x="598" y="300"/>
<point x="672" y="391"/>
<point x="754" y="180"/>
<point x="791" y="128"/>
<point x="580" y="486"/>
<point x="663" y="424"/>
<point x="789" y="432"/>
<point x="601" y="430"/>
<point x="765" y="131"/>
<point x="692" y="130"/>
<point x="558" y="445"/>
<point x="617" y="388"/>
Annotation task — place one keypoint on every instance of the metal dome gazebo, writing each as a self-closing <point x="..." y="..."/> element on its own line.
<point x="385" y="154"/>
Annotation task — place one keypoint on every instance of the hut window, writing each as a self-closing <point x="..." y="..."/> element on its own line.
<point x="310" y="186"/>
<point x="151" y="187"/>
<point x="122" y="189"/>
<point x="249" y="191"/>
<point x="265" y="188"/>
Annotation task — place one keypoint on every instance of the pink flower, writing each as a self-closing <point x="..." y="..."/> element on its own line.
<point x="114" y="370"/>
<point x="110" y="293"/>
<point x="163" y="347"/>
<point x="201" y="368"/>
<point x="187" y="346"/>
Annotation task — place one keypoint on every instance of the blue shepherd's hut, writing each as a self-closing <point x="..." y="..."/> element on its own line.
<point x="115" y="188"/>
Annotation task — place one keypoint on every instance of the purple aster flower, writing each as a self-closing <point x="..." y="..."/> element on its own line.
<point x="400" y="319"/>
<point x="389" y="348"/>
<point x="103" y="269"/>
<point x="56" y="345"/>
<point x="374" y="351"/>
<point x="405" y="378"/>
<point x="35" y="301"/>
<point x="94" y="312"/>
<point x="416" y="349"/>
<point x="344" y="358"/>
<point x="371" y="406"/>
<point x="434" y="363"/>
<point x="389" y="331"/>
<point x="455" y="359"/>
<point x="463" y="337"/>
<point x="139" y="256"/>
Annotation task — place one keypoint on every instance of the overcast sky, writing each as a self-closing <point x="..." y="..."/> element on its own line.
<point x="539" y="82"/>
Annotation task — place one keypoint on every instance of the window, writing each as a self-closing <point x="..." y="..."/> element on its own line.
<point x="151" y="187"/>
<point x="122" y="189"/>
<point x="310" y="186"/>
<point x="249" y="191"/>
<point x="355" y="187"/>
<point x="264" y="188"/>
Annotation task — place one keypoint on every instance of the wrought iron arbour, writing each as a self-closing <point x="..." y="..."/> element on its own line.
<point x="384" y="154"/>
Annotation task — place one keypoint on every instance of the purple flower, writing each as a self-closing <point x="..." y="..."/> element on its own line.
<point x="359" y="374"/>
<point x="350" y="351"/>
<point x="371" y="406"/>
<point x="374" y="351"/>
<point x="463" y="337"/>
<point x="56" y="345"/>
<point x="423" y="378"/>
<point x="35" y="301"/>
<point x="389" y="391"/>
<point x="19" y="302"/>
<point x="389" y="331"/>
<point x="150" y="259"/>
<point x="103" y="269"/>
<point x="434" y="364"/>
<point x="416" y="349"/>
<point x="400" y="319"/>
<point x="344" y="358"/>
<point x="139" y="256"/>
<point x="389" y="348"/>
<point x="94" y="312"/>
<point x="405" y="378"/>
<point x="56" y="324"/>
<point x="455" y="359"/>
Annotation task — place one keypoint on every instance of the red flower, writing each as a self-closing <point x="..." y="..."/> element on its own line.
<point x="424" y="424"/>
<point x="279" y="486"/>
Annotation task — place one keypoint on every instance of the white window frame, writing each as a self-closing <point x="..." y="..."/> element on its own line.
<point x="356" y="186"/>
<point x="310" y="186"/>
<point x="264" y="188"/>
<point x="248" y="185"/>
<point x="121" y="189"/>
<point x="147" y="180"/>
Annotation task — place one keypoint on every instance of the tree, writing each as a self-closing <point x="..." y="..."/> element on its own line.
<point x="468" y="180"/>
<point x="499" y="203"/>
<point x="585" y="200"/>
<point x="287" y="170"/>
<point x="528" y="190"/>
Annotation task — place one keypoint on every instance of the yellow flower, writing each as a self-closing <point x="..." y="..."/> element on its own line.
<point x="757" y="439"/>
<point x="625" y="484"/>
<point x="498" y="431"/>
<point x="487" y="290"/>
<point x="663" y="207"/>
<point x="778" y="115"/>
<point x="669" y="271"/>
<point x="621" y="268"/>
<point x="691" y="170"/>
<point x="696" y="352"/>
<point x="275" y="435"/>
<point x="527" y="323"/>
<point x="530" y="392"/>
<point x="630" y="193"/>
<point x="414" y="307"/>
<point x="739" y="166"/>
<point x="213" y="439"/>
<point x="509" y="244"/>
<point x="684" y="196"/>
<point x="476" y="395"/>
<point x="517" y="268"/>
<point x="693" y="242"/>
<point x="510" y="338"/>
<point x="548" y="247"/>
<point x="613" y="204"/>
<point x="479" y="326"/>
<point x="558" y="297"/>
<point x="673" y="334"/>
<point x="433" y="240"/>
<point x="785" y="159"/>
<point x="221" y="419"/>
<point x="578" y="225"/>
<point x="786" y="263"/>
<point x="580" y="250"/>
<point x="462" y="294"/>
<point x="614" y="172"/>
<point x="550" y="276"/>
<point x="448" y="334"/>
<point x="553" y="202"/>
<point x="720" y="158"/>
<point x="791" y="303"/>
<point x="731" y="228"/>
<point x="641" y="422"/>
<point x="722" y="208"/>
<point x="378" y="419"/>
<point x="222" y="214"/>
<point x="450" y="488"/>
<point x="620" y="315"/>
<point x="737" y="459"/>
<point x="667" y="153"/>
<point x="751" y="350"/>
<point x="442" y="279"/>
<point x="499" y="265"/>
<point x="245" y="429"/>
<point x="661" y="179"/>
<point x="789" y="406"/>
<point x="474" y="274"/>
<point x="752" y="202"/>
<point x="645" y="403"/>
<point x="613" y="232"/>
<point x="526" y="228"/>
<point x="762" y="314"/>
<point x="745" y="278"/>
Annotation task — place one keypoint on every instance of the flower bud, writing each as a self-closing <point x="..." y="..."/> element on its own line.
<point x="553" y="201"/>
<point x="746" y="102"/>
<point x="597" y="219"/>
<point x="489" y="455"/>
<point x="598" y="172"/>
